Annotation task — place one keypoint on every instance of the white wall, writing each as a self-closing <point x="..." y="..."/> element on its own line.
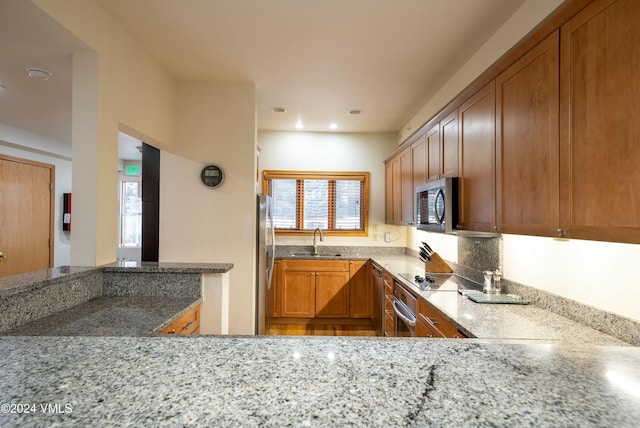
<point x="326" y="151"/>
<point x="26" y="145"/>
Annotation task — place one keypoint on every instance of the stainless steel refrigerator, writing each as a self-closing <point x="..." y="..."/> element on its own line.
<point x="265" y="249"/>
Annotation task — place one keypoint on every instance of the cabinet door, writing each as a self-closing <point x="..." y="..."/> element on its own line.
<point x="599" y="132"/>
<point x="272" y="302"/>
<point x="433" y="152"/>
<point x="419" y="165"/>
<point x="424" y="330"/>
<point x="393" y="192"/>
<point x="527" y="150"/>
<point x="297" y="294"/>
<point x="332" y="294"/>
<point x="360" y="289"/>
<point x="477" y="161"/>
<point x="449" y="146"/>
<point x="407" y="192"/>
<point x="388" y="192"/>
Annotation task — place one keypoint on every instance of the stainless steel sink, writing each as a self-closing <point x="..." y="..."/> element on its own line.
<point x="311" y="255"/>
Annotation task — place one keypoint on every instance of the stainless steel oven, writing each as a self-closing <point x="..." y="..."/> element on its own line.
<point x="404" y="307"/>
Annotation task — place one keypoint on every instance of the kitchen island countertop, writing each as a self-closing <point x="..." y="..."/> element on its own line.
<point x="314" y="381"/>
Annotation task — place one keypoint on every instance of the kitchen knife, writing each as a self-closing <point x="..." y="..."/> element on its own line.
<point x="429" y="253"/>
<point x="427" y="247"/>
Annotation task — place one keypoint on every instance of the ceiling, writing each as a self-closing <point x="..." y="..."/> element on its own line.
<point x="318" y="59"/>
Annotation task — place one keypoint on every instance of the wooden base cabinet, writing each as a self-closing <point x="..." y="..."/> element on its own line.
<point x="298" y="294"/>
<point x="360" y="289"/>
<point x="188" y="323"/>
<point x="431" y="323"/>
<point x="332" y="294"/>
<point x="322" y="289"/>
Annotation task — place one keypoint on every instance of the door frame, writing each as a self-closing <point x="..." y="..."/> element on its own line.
<point x="52" y="193"/>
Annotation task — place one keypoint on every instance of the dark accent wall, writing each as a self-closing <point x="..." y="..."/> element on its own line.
<point x="150" y="203"/>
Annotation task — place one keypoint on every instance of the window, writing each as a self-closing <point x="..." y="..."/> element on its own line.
<point x="131" y="214"/>
<point x="336" y="202"/>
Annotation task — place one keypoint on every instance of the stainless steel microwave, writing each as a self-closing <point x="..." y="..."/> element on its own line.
<point x="437" y="205"/>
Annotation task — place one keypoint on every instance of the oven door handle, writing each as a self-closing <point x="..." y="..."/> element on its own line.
<point x="404" y="313"/>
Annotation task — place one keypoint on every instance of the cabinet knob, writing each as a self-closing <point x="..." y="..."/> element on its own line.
<point x="561" y="232"/>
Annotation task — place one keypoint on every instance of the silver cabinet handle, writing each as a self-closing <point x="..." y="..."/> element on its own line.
<point x="3" y="256"/>
<point x="188" y="325"/>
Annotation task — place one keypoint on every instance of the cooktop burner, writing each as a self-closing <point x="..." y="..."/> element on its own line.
<point x="436" y="282"/>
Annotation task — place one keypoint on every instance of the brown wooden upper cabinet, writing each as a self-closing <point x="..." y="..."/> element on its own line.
<point x="442" y="142"/>
<point x="527" y="179"/>
<point x="477" y="161"/>
<point x="599" y="125"/>
<point x="546" y="141"/>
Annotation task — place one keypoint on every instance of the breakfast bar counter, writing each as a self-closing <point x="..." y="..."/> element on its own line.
<point x="314" y="381"/>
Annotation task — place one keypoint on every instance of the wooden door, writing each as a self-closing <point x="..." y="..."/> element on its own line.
<point x="599" y="131"/>
<point x="433" y="152"/>
<point x="26" y="215"/>
<point x="527" y="150"/>
<point x="297" y="294"/>
<point x="449" y="145"/>
<point x="360" y="289"/>
<point x="332" y="294"/>
<point x="477" y="161"/>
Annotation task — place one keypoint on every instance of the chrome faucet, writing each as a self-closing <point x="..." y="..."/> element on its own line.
<point x="315" y="246"/>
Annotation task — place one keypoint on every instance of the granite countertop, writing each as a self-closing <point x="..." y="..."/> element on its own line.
<point x="330" y="381"/>
<point x="490" y="321"/>
<point x="110" y="316"/>
<point x="166" y="267"/>
<point x="14" y="284"/>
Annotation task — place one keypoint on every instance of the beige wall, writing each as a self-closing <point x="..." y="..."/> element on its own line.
<point x="215" y="124"/>
<point x="521" y="22"/>
<point x="117" y="86"/>
<point x="327" y="151"/>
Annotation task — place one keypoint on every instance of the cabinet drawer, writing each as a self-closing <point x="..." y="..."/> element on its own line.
<point x="315" y="265"/>
<point x="425" y="330"/>
<point x="188" y="323"/>
<point x="436" y="321"/>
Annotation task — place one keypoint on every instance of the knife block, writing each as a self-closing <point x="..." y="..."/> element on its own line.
<point x="437" y="265"/>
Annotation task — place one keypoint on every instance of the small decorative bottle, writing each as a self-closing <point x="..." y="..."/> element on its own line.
<point x="497" y="281"/>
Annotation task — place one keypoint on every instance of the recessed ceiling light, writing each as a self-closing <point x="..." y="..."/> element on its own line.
<point x="2" y="87"/>
<point x="333" y="126"/>
<point x="355" y="111"/>
<point x="279" y="109"/>
<point x="299" y="124"/>
<point x="39" y="73"/>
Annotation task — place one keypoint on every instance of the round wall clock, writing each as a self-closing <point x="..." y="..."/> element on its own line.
<point x="212" y="176"/>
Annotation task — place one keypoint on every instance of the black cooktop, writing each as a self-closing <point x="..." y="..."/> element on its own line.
<point x="439" y="282"/>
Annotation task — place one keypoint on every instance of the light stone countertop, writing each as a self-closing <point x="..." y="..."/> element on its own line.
<point x="316" y="382"/>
